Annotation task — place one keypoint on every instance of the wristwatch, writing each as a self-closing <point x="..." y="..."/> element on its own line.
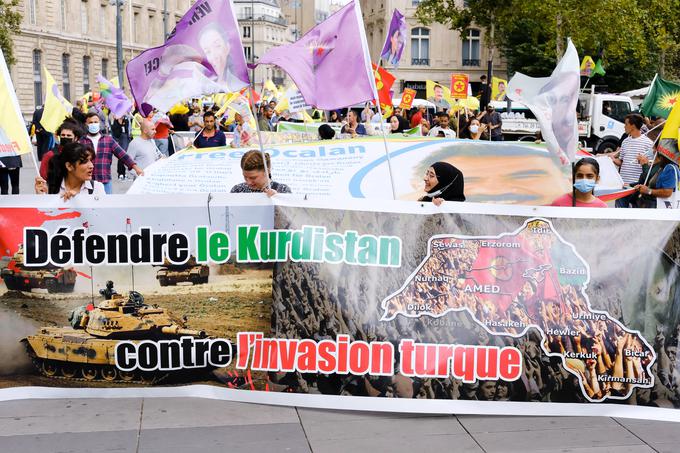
<point x="649" y="191"/>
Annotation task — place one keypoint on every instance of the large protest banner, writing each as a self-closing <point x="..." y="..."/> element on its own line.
<point x="469" y="308"/>
<point x="510" y="173"/>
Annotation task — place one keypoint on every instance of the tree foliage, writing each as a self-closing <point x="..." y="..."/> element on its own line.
<point x="636" y="38"/>
<point x="10" y="18"/>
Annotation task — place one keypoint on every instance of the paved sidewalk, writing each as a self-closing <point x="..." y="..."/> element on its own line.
<point x="192" y="424"/>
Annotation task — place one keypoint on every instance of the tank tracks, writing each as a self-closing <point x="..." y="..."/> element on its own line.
<point x="77" y="372"/>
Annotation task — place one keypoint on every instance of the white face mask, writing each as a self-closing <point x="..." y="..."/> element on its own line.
<point x="474" y="129"/>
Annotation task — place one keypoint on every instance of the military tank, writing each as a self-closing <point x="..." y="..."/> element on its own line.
<point x="85" y="350"/>
<point x="52" y="278"/>
<point x="170" y="274"/>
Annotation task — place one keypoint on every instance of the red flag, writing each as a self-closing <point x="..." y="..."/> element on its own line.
<point x="128" y="221"/>
<point x="384" y="81"/>
<point x="86" y="224"/>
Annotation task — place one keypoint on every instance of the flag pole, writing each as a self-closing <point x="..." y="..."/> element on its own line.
<point x="259" y="139"/>
<point x="371" y="74"/>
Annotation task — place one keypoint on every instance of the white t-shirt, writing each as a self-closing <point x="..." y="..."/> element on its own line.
<point x="630" y="148"/>
<point x="95" y="187"/>
<point x="143" y="152"/>
<point x="448" y="133"/>
<point x="95" y="140"/>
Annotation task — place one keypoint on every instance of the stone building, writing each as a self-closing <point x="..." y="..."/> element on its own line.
<point x="432" y="52"/>
<point x="263" y="26"/>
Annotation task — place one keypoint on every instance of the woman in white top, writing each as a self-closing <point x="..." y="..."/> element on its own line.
<point x="70" y="173"/>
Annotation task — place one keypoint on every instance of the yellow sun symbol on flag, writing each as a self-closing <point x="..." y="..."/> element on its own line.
<point x="668" y="101"/>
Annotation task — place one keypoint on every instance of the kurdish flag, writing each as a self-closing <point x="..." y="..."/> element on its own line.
<point x="662" y="97"/>
<point x="13" y="135"/>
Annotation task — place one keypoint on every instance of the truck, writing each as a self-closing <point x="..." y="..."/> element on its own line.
<point x="600" y="120"/>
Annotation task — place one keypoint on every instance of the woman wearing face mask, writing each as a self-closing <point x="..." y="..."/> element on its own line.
<point x="586" y="175"/>
<point x="476" y="129"/>
<point x="72" y="174"/>
<point x="443" y="182"/>
<point x="69" y="131"/>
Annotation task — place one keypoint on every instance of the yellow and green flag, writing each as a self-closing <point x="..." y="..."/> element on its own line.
<point x="662" y="97"/>
<point x="56" y="108"/>
<point x="13" y="135"/>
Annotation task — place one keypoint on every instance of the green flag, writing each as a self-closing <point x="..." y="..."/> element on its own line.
<point x="662" y="96"/>
<point x="599" y="68"/>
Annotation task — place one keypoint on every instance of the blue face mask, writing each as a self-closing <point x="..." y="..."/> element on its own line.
<point x="93" y="128"/>
<point x="584" y="185"/>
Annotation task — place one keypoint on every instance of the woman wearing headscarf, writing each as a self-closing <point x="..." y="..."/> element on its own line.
<point x="443" y="182"/>
<point x="398" y="125"/>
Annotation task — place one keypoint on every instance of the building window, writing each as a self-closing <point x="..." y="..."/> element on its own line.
<point x="471" y="48"/>
<point x="62" y="13"/>
<point x="37" y="77"/>
<point x="31" y="12"/>
<point x="246" y="32"/>
<point x="65" y="69"/>
<point x="248" y="12"/>
<point x="102" y="22"/>
<point x="86" y="74"/>
<point x="105" y="68"/>
<point x="420" y="46"/>
<point x="415" y="2"/>
<point x="247" y="53"/>
<point x="135" y="22"/>
<point x="83" y="17"/>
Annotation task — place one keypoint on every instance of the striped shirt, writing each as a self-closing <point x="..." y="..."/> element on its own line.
<point x="630" y="148"/>
<point x="245" y="188"/>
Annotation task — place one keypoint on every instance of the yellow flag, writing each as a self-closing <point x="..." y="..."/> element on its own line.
<point x="13" y="135"/>
<point x="587" y="66"/>
<point x="56" y="108"/>
<point x="498" y="87"/>
<point x="668" y="144"/>
<point x="269" y="85"/>
<point x="430" y="94"/>
<point x="670" y="130"/>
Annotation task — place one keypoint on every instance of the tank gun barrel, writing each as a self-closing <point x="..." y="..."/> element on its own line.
<point x="176" y="330"/>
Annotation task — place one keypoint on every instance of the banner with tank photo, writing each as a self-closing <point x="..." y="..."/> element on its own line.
<point x="81" y="281"/>
<point x="510" y="172"/>
<point x="465" y="308"/>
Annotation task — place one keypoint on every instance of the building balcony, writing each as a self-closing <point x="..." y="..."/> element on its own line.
<point x="420" y="62"/>
<point x="472" y="62"/>
<point x="262" y="18"/>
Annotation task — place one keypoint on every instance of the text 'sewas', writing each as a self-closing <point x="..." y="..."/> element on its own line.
<point x="468" y="363"/>
<point x="253" y="245"/>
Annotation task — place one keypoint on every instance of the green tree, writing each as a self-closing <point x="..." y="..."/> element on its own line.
<point x="10" y="19"/>
<point x="532" y="34"/>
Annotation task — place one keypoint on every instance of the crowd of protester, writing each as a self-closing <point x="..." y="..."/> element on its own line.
<point x="137" y="142"/>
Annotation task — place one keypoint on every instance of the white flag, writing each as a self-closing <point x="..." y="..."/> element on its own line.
<point x="553" y="101"/>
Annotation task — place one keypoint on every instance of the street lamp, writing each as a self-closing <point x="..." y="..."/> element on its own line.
<point x="119" y="39"/>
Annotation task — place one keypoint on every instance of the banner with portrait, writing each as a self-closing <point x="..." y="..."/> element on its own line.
<point x="495" y="172"/>
<point x="463" y="308"/>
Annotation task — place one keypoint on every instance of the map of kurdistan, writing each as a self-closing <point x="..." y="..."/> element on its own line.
<point x="530" y="278"/>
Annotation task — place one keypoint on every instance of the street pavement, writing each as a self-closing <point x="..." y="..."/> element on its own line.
<point x="193" y="424"/>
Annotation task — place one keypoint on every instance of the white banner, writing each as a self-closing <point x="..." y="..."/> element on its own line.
<point x="507" y="172"/>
